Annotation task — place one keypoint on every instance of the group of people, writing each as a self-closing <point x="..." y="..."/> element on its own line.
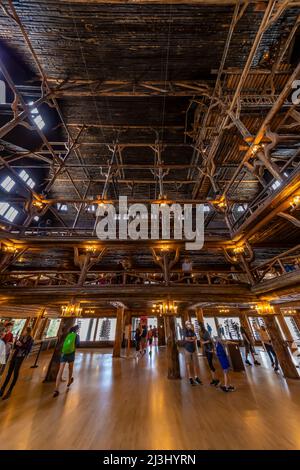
<point x="18" y="348"/>
<point x="143" y="337"/>
<point x="217" y="347"/>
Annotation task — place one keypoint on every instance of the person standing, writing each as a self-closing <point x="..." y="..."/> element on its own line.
<point x="224" y="362"/>
<point x="144" y="339"/>
<point x="71" y="342"/>
<point x="155" y="336"/>
<point x="248" y="347"/>
<point x="8" y="338"/>
<point x="266" y="341"/>
<point x="137" y="339"/>
<point x="208" y="349"/>
<point x="22" y="348"/>
<point x="150" y="339"/>
<point x="190" y="350"/>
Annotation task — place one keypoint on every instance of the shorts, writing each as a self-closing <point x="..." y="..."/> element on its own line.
<point x="143" y="342"/>
<point x="67" y="358"/>
<point x="190" y="357"/>
<point x="150" y="340"/>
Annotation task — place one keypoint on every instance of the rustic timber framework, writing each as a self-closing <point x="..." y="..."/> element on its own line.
<point x="214" y="123"/>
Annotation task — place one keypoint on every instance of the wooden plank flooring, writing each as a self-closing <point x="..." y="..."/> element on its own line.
<point x="129" y="404"/>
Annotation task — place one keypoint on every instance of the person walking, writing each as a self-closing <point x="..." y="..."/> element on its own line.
<point x="208" y="350"/>
<point x="137" y="339"/>
<point x="190" y="350"/>
<point x="225" y="364"/>
<point x="22" y="348"/>
<point x="266" y="341"/>
<point x="71" y="342"/>
<point x="248" y="347"/>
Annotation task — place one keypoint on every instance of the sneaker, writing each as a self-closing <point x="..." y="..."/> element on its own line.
<point x="55" y="394"/>
<point x="231" y="388"/>
<point x="276" y="369"/>
<point x="70" y="383"/>
<point x="192" y="382"/>
<point x="248" y="362"/>
<point x="257" y="363"/>
<point x="198" y="381"/>
<point x="213" y="382"/>
<point x="217" y="381"/>
<point x="225" y="389"/>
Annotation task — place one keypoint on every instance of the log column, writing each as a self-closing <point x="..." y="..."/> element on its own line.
<point x="283" y="324"/>
<point x="172" y="350"/>
<point x="119" y="332"/>
<point x="161" y="331"/>
<point x="282" y="351"/>
<point x="245" y="324"/>
<point x="199" y="315"/>
<point x="65" y="325"/>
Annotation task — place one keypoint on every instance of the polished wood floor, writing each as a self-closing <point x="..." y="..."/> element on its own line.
<point x="129" y="404"/>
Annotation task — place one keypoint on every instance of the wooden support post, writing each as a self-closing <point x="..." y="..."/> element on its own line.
<point x="53" y="367"/>
<point x="245" y="324"/>
<point x="172" y="350"/>
<point x="41" y="328"/>
<point x="119" y="332"/>
<point x="282" y="351"/>
<point x="199" y="315"/>
<point x="161" y="331"/>
<point x="127" y="331"/>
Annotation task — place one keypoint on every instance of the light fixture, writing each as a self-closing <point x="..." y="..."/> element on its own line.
<point x="295" y="202"/>
<point x="71" y="310"/>
<point x="239" y="249"/>
<point x="168" y="307"/>
<point x="11" y="248"/>
<point x="264" y="308"/>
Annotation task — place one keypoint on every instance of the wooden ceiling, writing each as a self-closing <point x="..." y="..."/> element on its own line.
<point x="191" y="101"/>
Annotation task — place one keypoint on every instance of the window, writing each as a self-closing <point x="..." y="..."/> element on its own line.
<point x="229" y="327"/>
<point x="242" y="207"/>
<point x="276" y="185"/>
<point x="206" y="208"/>
<point x="19" y="324"/>
<point x="91" y="208"/>
<point x="37" y="117"/>
<point x="53" y="328"/>
<point x="8" y="183"/>
<point x="11" y="214"/>
<point x="210" y="325"/>
<point x="97" y="329"/>
<point x="3" y="207"/>
<point x="36" y="218"/>
<point x="62" y="207"/>
<point x="26" y="178"/>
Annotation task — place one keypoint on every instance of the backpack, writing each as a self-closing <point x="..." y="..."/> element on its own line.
<point x="69" y="343"/>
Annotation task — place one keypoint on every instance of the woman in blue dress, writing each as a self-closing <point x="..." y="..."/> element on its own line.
<point x="225" y="364"/>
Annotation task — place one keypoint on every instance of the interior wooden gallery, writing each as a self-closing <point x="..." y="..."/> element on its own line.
<point x="164" y="102"/>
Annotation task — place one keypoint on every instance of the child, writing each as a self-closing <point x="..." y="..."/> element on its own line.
<point x="223" y="359"/>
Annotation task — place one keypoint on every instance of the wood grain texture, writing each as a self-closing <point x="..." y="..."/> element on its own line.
<point x="126" y="404"/>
